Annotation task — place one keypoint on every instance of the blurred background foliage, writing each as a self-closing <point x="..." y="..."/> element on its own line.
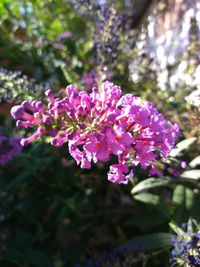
<point x="52" y="213"/>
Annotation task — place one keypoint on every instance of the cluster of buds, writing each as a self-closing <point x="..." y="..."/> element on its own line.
<point x="100" y="124"/>
<point x="186" y="245"/>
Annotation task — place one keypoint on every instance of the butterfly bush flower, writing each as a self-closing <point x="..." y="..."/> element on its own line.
<point x="112" y="39"/>
<point x="186" y="246"/>
<point x="100" y="124"/>
<point x="9" y="148"/>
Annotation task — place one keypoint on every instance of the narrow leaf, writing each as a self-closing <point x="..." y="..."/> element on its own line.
<point x="192" y="174"/>
<point x="185" y="144"/>
<point x="150" y="183"/>
<point x="179" y="204"/>
<point x="195" y="162"/>
<point x="176" y="229"/>
<point x="148" y="242"/>
<point x="148" y="198"/>
<point x="178" y="195"/>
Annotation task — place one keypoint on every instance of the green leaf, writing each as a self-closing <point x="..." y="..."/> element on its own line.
<point x="195" y="162"/>
<point x="194" y="211"/>
<point x="192" y="174"/>
<point x="150" y="183"/>
<point x="178" y="201"/>
<point x="184" y="201"/>
<point x="189" y="198"/>
<point x="185" y="144"/>
<point x="178" y="195"/>
<point x="148" y="198"/>
<point x="176" y="229"/>
<point x="156" y="201"/>
<point x="148" y="242"/>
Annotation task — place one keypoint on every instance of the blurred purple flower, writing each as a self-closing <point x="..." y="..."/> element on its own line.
<point x="9" y="148"/>
<point x="90" y="79"/>
<point x="64" y="35"/>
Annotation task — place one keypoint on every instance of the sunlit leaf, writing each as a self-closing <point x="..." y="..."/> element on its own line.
<point x="147" y="198"/>
<point x="151" y="183"/>
<point x="195" y="162"/>
<point x="176" y="229"/>
<point x="183" y="145"/>
<point x="193" y="174"/>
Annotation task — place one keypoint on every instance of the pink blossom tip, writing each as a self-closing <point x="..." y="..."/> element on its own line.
<point x="49" y="94"/>
<point x="46" y="119"/>
<point x="17" y="112"/>
<point x="24" y="142"/>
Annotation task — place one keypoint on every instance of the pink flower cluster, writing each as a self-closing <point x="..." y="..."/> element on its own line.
<point x="100" y="124"/>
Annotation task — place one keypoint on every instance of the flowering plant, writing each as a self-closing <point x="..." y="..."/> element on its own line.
<point x="99" y="124"/>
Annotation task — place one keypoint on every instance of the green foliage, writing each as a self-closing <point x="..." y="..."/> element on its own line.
<point x="34" y="43"/>
<point x="15" y="87"/>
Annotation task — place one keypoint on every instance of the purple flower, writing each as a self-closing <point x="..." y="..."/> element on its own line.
<point x="9" y="148"/>
<point x="118" y="139"/>
<point x="186" y="246"/>
<point x="97" y="149"/>
<point x="90" y="79"/>
<point x="117" y="173"/>
<point x="144" y="154"/>
<point x="78" y="155"/>
<point x="64" y="35"/>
